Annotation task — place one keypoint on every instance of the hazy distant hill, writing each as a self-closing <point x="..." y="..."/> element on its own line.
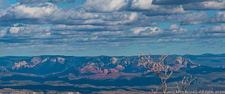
<point x="215" y="60"/>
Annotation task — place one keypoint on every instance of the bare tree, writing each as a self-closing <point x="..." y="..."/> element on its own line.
<point x="154" y="92"/>
<point x="159" y="69"/>
<point x="185" y="83"/>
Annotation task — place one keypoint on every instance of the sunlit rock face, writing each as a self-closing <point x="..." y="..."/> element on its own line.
<point x="114" y="60"/>
<point x="91" y="69"/>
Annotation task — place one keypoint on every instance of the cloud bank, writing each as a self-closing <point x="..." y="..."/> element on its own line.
<point x="108" y="23"/>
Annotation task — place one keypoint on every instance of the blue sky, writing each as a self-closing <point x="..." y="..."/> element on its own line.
<point x="111" y="27"/>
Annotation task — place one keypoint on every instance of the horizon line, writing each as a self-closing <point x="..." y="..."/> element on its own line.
<point x="110" y="55"/>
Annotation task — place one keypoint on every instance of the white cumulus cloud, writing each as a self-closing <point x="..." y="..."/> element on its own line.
<point x="105" y="5"/>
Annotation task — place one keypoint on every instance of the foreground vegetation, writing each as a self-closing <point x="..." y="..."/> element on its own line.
<point x="161" y="70"/>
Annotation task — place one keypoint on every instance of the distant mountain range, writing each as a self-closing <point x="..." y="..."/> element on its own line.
<point x="78" y="73"/>
<point x="91" y="67"/>
<point x="214" y="60"/>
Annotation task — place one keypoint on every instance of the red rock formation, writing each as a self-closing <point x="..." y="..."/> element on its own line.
<point x="114" y="71"/>
<point x="105" y="71"/>
<point x="20" y="65"/>
<point x="114" y="60"/>
<point x="120" y="67"/>
<point x="91" y="69"/>
<point x="61" y="60"/>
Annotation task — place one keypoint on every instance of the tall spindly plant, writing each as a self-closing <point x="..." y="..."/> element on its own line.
<point x="158" y="68"/>
<point x="184" y="84"/>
